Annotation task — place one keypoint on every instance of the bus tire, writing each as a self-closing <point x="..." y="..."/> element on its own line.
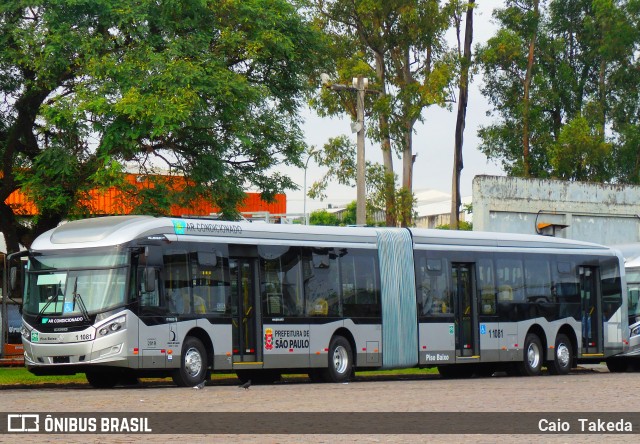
<point x="340" y="363"/>
<point x="102" y="379"/>
<point x="618" y="365"/>
<point x="193" y="364"/>
<point x="562" y="356"/>
<point x="531" y="364"/>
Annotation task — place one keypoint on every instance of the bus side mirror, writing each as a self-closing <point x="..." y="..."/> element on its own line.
<point x="150" y="279"/>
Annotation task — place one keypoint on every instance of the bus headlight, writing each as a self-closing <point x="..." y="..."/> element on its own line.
<point x="113" y="326"/>
<point x="25" y="331"/>
<point x="635" y="331"/>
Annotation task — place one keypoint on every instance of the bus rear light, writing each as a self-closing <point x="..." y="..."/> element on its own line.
<point x="136" y="350"/>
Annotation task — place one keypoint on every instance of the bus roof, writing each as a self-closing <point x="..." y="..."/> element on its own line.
<point x="116" y="230"/>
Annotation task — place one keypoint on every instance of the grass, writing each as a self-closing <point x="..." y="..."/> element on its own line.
<point x="20" y="376"/>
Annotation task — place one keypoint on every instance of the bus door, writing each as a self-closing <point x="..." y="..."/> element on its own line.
<point x="591" y="310"/>
<point x="466" y="319"/>
<point x="245" y="310"/>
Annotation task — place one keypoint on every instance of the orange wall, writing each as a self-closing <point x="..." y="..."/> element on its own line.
<point x="111" y="202"/>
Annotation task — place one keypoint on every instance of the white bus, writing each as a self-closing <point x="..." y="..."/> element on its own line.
<point x="129" y="296"/>
<point x="631" y="254"/>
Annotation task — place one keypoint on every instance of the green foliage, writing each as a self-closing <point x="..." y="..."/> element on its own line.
<point x="462" y="225"/>
<point x="400" y="47"/>
<point x="580" y="154"/>
<point x="584" y="97"/>
<point x="207" y="91"/>
<point x="323" y="217"/>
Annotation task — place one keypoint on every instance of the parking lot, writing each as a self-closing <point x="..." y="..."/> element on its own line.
<point x="590" y="389"/>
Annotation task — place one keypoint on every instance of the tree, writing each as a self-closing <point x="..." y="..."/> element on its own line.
<point x="582" y="85"/>
<point x="323" y="217"/>
<point x="339" y="157"/>
<point x="400" y="44"/>
<point x="463" y="98"/>
<point x="203" y="90"/>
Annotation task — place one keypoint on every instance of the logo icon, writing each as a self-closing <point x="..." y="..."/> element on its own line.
<point x="268" y="339"/>
<point x="23" y="423"/>
<point x="35" y="336"/>
<point x="179" y="226"/>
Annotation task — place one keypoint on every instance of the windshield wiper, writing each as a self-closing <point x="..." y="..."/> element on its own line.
<point x="49" y="301"/>
<point x="77" y="298"/>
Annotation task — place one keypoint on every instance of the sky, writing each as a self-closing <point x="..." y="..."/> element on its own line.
<point x="433" y="141"/>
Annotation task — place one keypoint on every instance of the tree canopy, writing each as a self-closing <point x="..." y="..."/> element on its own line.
<point x="208" y="90"/>
<point x="583" y="107"/>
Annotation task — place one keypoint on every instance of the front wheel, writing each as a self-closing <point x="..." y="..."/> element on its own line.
<point x="193" y="364"/>
<point x="340" y="363"/>
<point x="563" y="357"/>
<point x="531" y="364"/>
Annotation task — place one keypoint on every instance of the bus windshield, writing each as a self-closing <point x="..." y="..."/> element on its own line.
<point x="66" y="284"/>
<point x="633" y="290"/>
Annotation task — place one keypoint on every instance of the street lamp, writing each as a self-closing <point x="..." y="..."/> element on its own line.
<point x="360" y="85"/>
<point x="306" y="164"/>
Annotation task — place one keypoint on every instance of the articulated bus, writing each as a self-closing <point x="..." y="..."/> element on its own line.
<point x="123" y="297"/>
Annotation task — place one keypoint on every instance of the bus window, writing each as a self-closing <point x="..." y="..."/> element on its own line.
<point x="281" y="275"/>
<point x="176" y="281"/>
<point x="211" y="283"/>
<point x="360" y="289"/>
<point x="486" y="286"/>
<point x="434" y="295"/>
<point x="321" y="282"/>
<point x="565" y="289"/>
<point x="610" y="283"/>
<point x="509" y="278"/>
<point x="537" y="280"/>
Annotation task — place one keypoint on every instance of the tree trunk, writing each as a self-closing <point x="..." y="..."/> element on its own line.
<point x="525" y="107"/>
<point x="463" y="99"/>
<point x="387" y="155"/>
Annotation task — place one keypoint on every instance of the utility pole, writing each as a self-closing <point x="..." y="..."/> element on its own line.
<point x="360" y="85"/>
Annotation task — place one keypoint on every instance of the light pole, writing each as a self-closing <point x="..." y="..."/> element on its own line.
<point x="306" y="164"/>
<point x="359" y="86"/>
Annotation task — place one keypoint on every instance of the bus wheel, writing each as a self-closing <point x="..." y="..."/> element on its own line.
<point x="193" y="364"/>
<point x="531" y="364"/>
<point x="563" y="357"/>
<point x="618" y="365"/>
<point x="340" y="360"/>
<point x="102" y="380"/>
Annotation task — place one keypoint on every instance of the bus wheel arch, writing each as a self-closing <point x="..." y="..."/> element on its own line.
<point x="193" y="363"/>
<point x="341" y="361"/>
<point x="533" y="353"/>
<point x="564" y="352"/>
<point x="204" y="337"/>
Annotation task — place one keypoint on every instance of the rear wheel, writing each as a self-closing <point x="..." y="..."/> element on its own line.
<point x="563" y="356"/>
<point x="193" y="364"/>
<point x="531" y="364"/>
<point x="617" y="365"/>
<point x="340" y="363"/>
